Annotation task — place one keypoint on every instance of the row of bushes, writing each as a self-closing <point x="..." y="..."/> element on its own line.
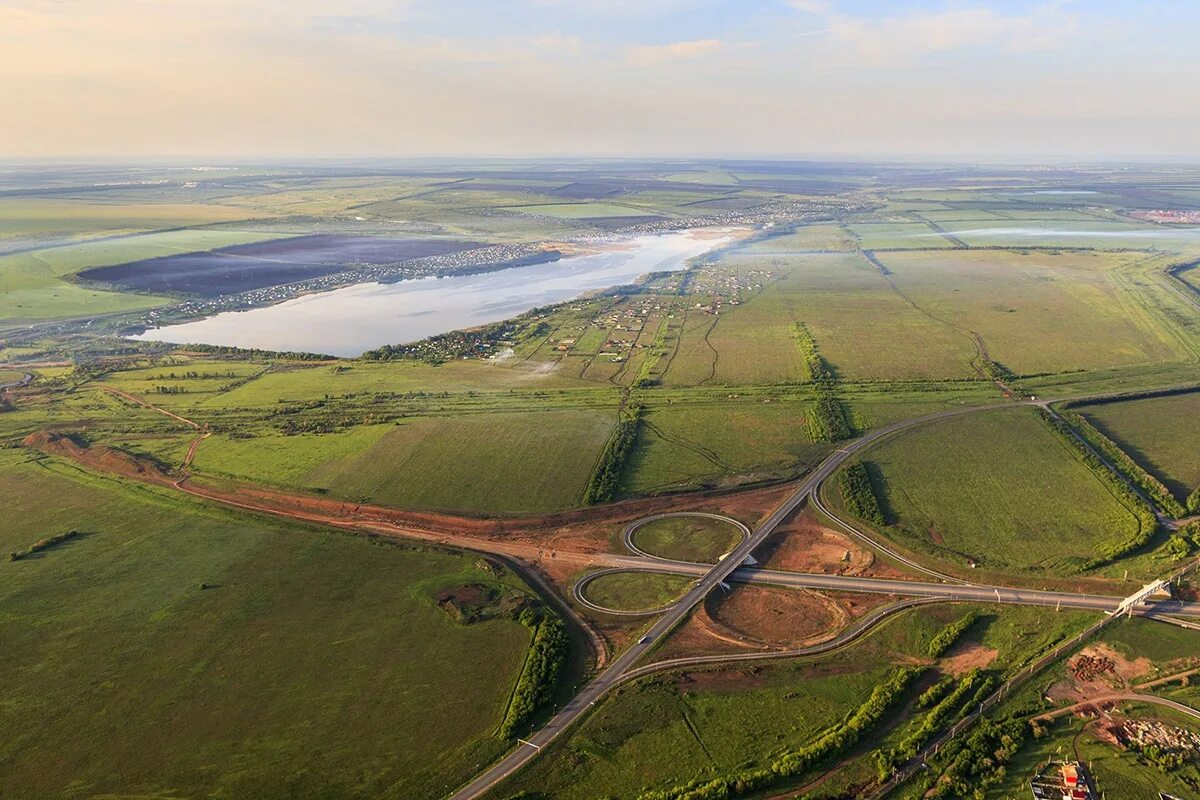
<point x="602" y="486"/>
<point x="979" y="763"/>
<point x="994" y="371"/>
<point x="859" y="494"/>
<point x="44" y="544"/>
<point x="828" y="421"/>
<point x="1149" y="484"/>
<point x="933" y="722"/>
<point x="816" y="368"/>
<point x="545" y="663"/>
<point x="949" y="634"/>
<point x="1147" y="521"/>
<point x="789" y="765"/>
<point x="1121" y="398"/>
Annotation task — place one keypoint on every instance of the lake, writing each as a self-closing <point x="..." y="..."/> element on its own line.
<point x="351" y="320"/>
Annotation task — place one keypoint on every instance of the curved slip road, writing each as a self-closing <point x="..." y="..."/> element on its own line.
<point x="713" y="577"/>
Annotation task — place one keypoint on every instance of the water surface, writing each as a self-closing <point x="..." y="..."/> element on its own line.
<point x="348" y="321"/>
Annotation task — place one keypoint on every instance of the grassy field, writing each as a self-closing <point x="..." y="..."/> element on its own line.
<point x="1018" y="303"/>
<point x="636" y="591"/>
<point x="696" y="539"/>
<point x="1159" y="433"/>
<point x="864" y="329"/>
<point x="709" y="444"/>
<point x="583" y="210"/>
<point x="914" y="235"/>
<point x="482" y="463"/>
<point x="303" y="667"/>
<point x="977" y="488"/>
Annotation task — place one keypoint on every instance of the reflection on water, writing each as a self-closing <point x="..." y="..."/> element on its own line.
<point x="345" y="322"/>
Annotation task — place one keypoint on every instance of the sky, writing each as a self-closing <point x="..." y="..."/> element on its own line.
<point x="919" y="79"/>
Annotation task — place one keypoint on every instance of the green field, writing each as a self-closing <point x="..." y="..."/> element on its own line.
<point x="1085" y="304"/>
<point x="695" y="539"/>
<point x="682" y="447"/>
<point x="1159" y="433"/>
<point x="486" y="463"/>
<point x="583" y="210"/>
<point x="863" y="327"/>
<point x="306" y="663"/>
<point x="975" y="488"/>
<point x="636" y="591"/>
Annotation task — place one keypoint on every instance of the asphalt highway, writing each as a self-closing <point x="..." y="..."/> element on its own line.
<point x="712" y="578"/>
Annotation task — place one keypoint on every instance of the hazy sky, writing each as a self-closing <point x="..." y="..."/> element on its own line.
<point x="601" y="77"/>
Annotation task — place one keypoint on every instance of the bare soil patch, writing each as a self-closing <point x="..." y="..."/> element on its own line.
<point x="966" y="657"/>
<point x="776" y="617"/>
<point x="805" y="545"/>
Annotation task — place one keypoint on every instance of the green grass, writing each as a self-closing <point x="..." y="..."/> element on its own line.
<point x="495" y="463"/>
<point x="1039" y="312"/>
<point x="687" y="446"/>
<point x="999" y="489"/>
<point x="671" y="729"/>
<point x="636" y="591"/>
<point x="1162" y="644"/>
<point x="1159" y="433"/>
<point x="304" y="668"/>
<point x="863" y="327"/>
<point x="915" y="235"/>
<point x="677" y="726"/>
<point x="696" y="539"/>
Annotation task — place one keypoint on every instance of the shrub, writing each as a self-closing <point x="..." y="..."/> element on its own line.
<point x="535" y="687"/>
<point x="949" y="634"/>
<point x="858" y="493"/>
<point x="44" y="544"/>
<point x="602" y="486"/>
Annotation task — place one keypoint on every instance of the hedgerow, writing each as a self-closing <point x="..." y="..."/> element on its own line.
<point x="1147" y="521"/>
<point x="949" y="634"/>
<point x="44" y="544"/>
<point x="789" y="765"/>
<point x="1149" y="484"/>
<point x="602" y="486"/>
<point x="947" y="708"/>
<point x="535" y="687"/>
<point x="858" y="493"/>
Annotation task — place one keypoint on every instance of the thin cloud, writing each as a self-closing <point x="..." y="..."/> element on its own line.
<point x="888" y="40"/>
<point x="676" y="51"/>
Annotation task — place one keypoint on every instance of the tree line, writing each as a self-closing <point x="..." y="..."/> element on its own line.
<point x="1147" y="521"/>
<point x="546" y="660"/>
<point x="858" y="493"/>
<point x="1132" y="470"/>
<point x="949" y="634"/>
<point x="828" y="421"/>
<point x="602" y="486"/>
<point x="794" y="763"/>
